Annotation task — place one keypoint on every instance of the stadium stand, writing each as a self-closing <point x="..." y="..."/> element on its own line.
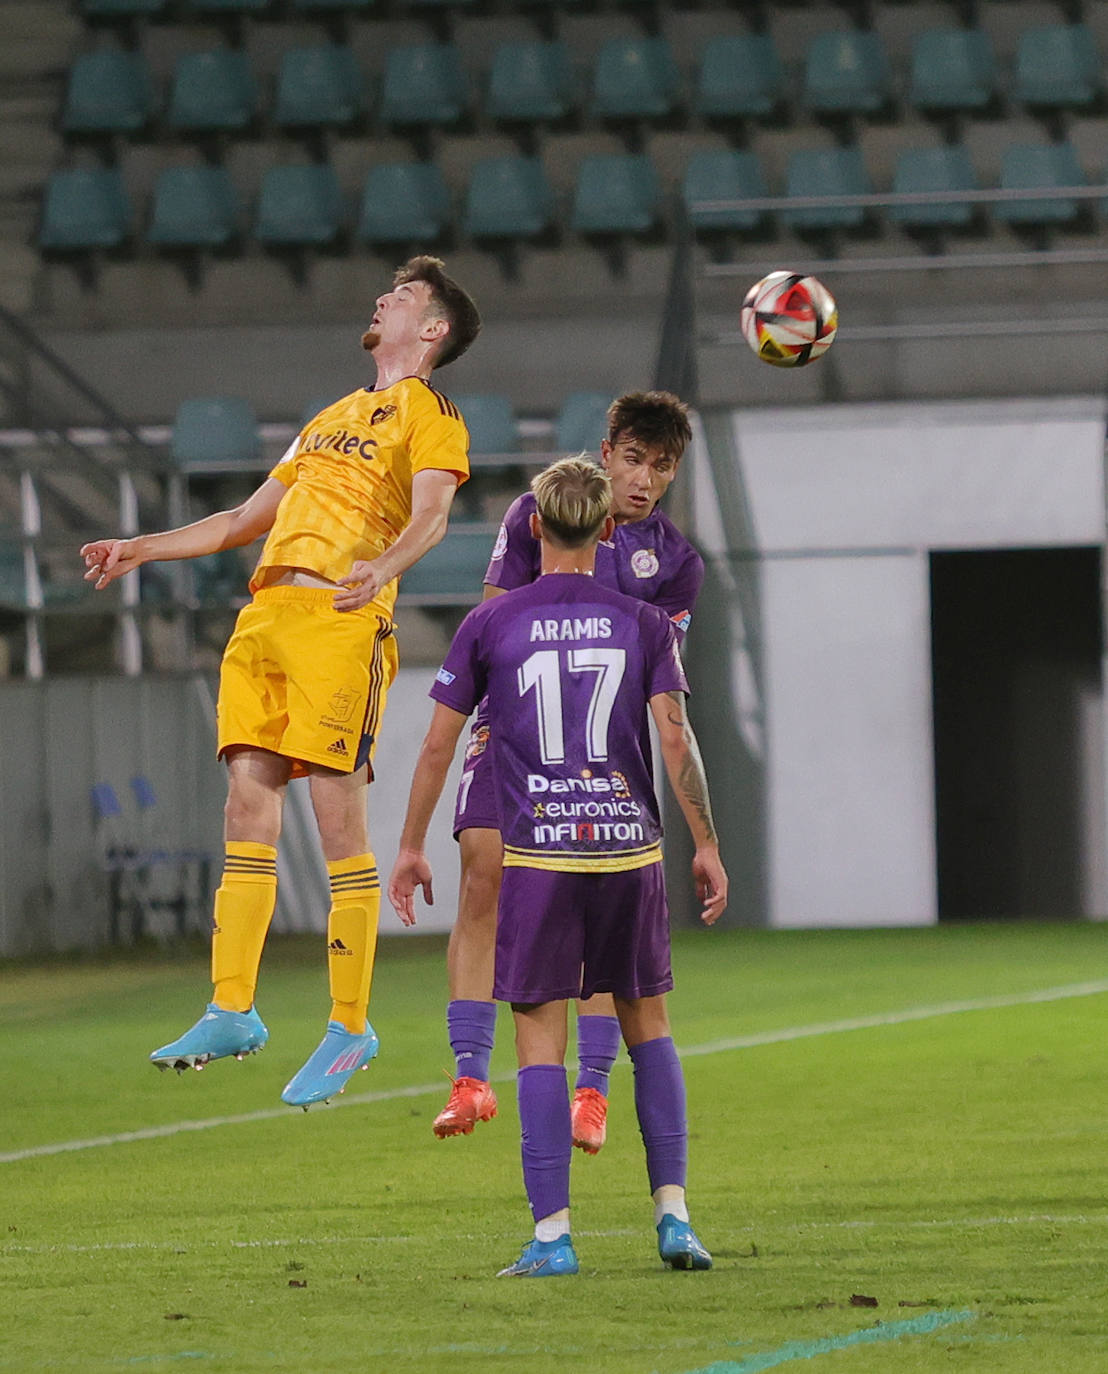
<point x="215" y="431"/>
<point x="403" y="203"/>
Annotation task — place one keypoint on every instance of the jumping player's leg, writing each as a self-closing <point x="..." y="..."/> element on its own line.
<point x="660" y="1106"/>
<point x="598" y="1042"/>
<point x="349" y="1043"/>
<point x="545" y="1143"/>
<point x="243" y="909"/>
<point x="471" y="951"/>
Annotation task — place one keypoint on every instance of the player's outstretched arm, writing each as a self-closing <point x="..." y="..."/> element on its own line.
<point x="109" y="559"/>
<point x="432" y="495"/>
<point x="411" y="869"/>
<point x="685" y="770"/>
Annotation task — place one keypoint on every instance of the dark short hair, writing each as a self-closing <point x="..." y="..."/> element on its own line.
<point x="457" y="305"/>
<point x="658" y="418"/>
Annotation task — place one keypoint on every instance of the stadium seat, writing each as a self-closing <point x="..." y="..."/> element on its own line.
<point x="616" y="193"/>
<point x="846" y="72"/>
<point x="228" y="6"/>
<point x="926" y="170"/>
<point x="315" y="6"/>
<point x="826" y="172"/>
<point x="723" y="174"/>
<point x="530" y="81"/>
<point x="634" y="78"/>
<point x="215" y="431"/>
<point x="508" y="198"/>
<point x="194" y="207"/>
<point x="740" y="77"/>
<point x="454" y="569"/>
<point x="85" y="208"/>
<point x="315" y="404"/>
<point x="424" y="84"/>
<point x="953" y="70"/>
<point x="212" y="91"/>
<point x="582" y="422"/>
<point x="404" y="202"/>
<point x="108" y="93"/>
<point x="218" y="578"/>
<point x="300" y="206"/>
<point x="1025" y="166"/>
<point x="319" y="87"/>
<point x="490" y="420"/>
<point x="121" y="9"/>
<point x="1057" y="66"/>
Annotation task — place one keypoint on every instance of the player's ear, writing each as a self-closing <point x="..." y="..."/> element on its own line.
<point x="607" y="529"/>
<point x="534" y="524"/>
<point x="434" y="329"/>
<point x="605" y="452"/>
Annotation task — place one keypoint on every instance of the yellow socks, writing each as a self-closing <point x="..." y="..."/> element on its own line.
<point x="352" y="937"/>
<point x="244" y="905"/>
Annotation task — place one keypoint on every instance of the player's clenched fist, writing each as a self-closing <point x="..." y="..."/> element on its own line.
<point x="107" y="559"/>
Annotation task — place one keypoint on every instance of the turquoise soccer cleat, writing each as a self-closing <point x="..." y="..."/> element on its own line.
<point x="217" y="1035"/>
<point x="328" y="1070"/>
<point x="679" y="1247"/>
<point x="543" y="1259"/>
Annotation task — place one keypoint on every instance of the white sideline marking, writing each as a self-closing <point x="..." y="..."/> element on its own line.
<point x="739" y="1042"/>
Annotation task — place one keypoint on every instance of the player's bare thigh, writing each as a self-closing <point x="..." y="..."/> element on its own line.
<point x="339" y="803"/>
<point x="471" y="952"/>
<point x="256" y="783"/>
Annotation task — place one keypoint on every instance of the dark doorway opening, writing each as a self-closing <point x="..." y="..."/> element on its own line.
<point x="1016" y="668"/>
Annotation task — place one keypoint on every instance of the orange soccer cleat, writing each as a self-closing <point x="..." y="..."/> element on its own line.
<point x="471" y="1100"/>
<point x="589" y="1115"/>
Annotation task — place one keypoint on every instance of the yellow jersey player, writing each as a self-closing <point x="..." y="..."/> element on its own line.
<point x="362" y="495"/>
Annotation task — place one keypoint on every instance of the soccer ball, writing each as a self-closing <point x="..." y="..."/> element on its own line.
<point x="789" y="319"/>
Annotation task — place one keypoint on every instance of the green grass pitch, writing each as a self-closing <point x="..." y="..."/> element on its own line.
<point x="950" y="1169"/>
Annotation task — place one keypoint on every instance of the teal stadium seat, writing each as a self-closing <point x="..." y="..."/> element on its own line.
<point x="454" y="570"/>
<point x="424" y="85"/>
<point x="194" y="207"/>
<point x="616" y="193"/>
<point x="740" y="77"/>
<point x="634" y="78"/>
<point x="1057" y="67"/>
<point x="13" y="577"/>
<point x="85" y="208"/>
<point x="319" y="87"/>
<point x="215" y="431"/>
<point x="926" y="170"/>
<point x="404" y="202"/>
<point x="213" y="91"/>
<point x="228" y="6"/>
<point x="491" y="422"/>
<point x="826" y="172"/>
<point x="530" y="80"/>
<point x="953" y="70"/>
<point x="846" y="72"/>
<point x="315" y="404"/>
<point x="109" y="92"/>
<point x="723" y="174"/>
<point x="332" y="6"/>
<point x="582" y="422"/>
<point x="300" y="206"/>
<point x="508" y="198"/>
<point x="1024" y="166"/>
<point x="121" y="9"/>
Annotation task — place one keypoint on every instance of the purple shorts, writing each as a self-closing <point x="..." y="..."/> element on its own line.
<point x="475" y="806"/>
<point x="563" y="935"/>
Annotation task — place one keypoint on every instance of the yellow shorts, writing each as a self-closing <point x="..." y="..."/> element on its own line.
<point x="306" y="681"/>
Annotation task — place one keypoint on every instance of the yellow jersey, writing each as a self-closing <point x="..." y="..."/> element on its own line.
<point x="349" y="476"/>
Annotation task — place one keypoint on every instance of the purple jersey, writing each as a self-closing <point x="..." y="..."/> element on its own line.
<point x="649" y="559"/>
<point x="569" y="666"/>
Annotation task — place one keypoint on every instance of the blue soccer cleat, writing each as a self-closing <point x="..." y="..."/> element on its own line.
<point x="543" y="1259"/>
<point x="217" y="1035"/>
<point x="328" y="1071"/>
<point x="678" y="1245"/>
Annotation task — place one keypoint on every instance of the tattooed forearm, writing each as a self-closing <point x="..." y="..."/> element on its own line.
<point x="693" y="786"/>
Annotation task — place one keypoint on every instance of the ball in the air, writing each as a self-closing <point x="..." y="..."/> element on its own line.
<point x="789" y="319"/>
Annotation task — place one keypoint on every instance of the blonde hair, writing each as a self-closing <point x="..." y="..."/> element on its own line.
<point x="574" y="498"/>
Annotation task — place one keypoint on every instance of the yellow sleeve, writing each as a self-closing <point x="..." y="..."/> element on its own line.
<point x="437" y="437"/>
<point x="285" y="470"/>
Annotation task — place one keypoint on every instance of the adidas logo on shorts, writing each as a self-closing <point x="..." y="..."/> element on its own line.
<point x="339" y="747"/>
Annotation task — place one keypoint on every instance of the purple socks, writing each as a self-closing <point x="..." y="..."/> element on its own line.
<point x="472" y="1027"/>
<point x="598" y="1042"/>
<point x="660" y="1104"/>
<point x="546" y="1137"/>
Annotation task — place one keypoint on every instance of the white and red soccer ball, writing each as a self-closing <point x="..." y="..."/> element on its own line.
<point x="789" y="319"/>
